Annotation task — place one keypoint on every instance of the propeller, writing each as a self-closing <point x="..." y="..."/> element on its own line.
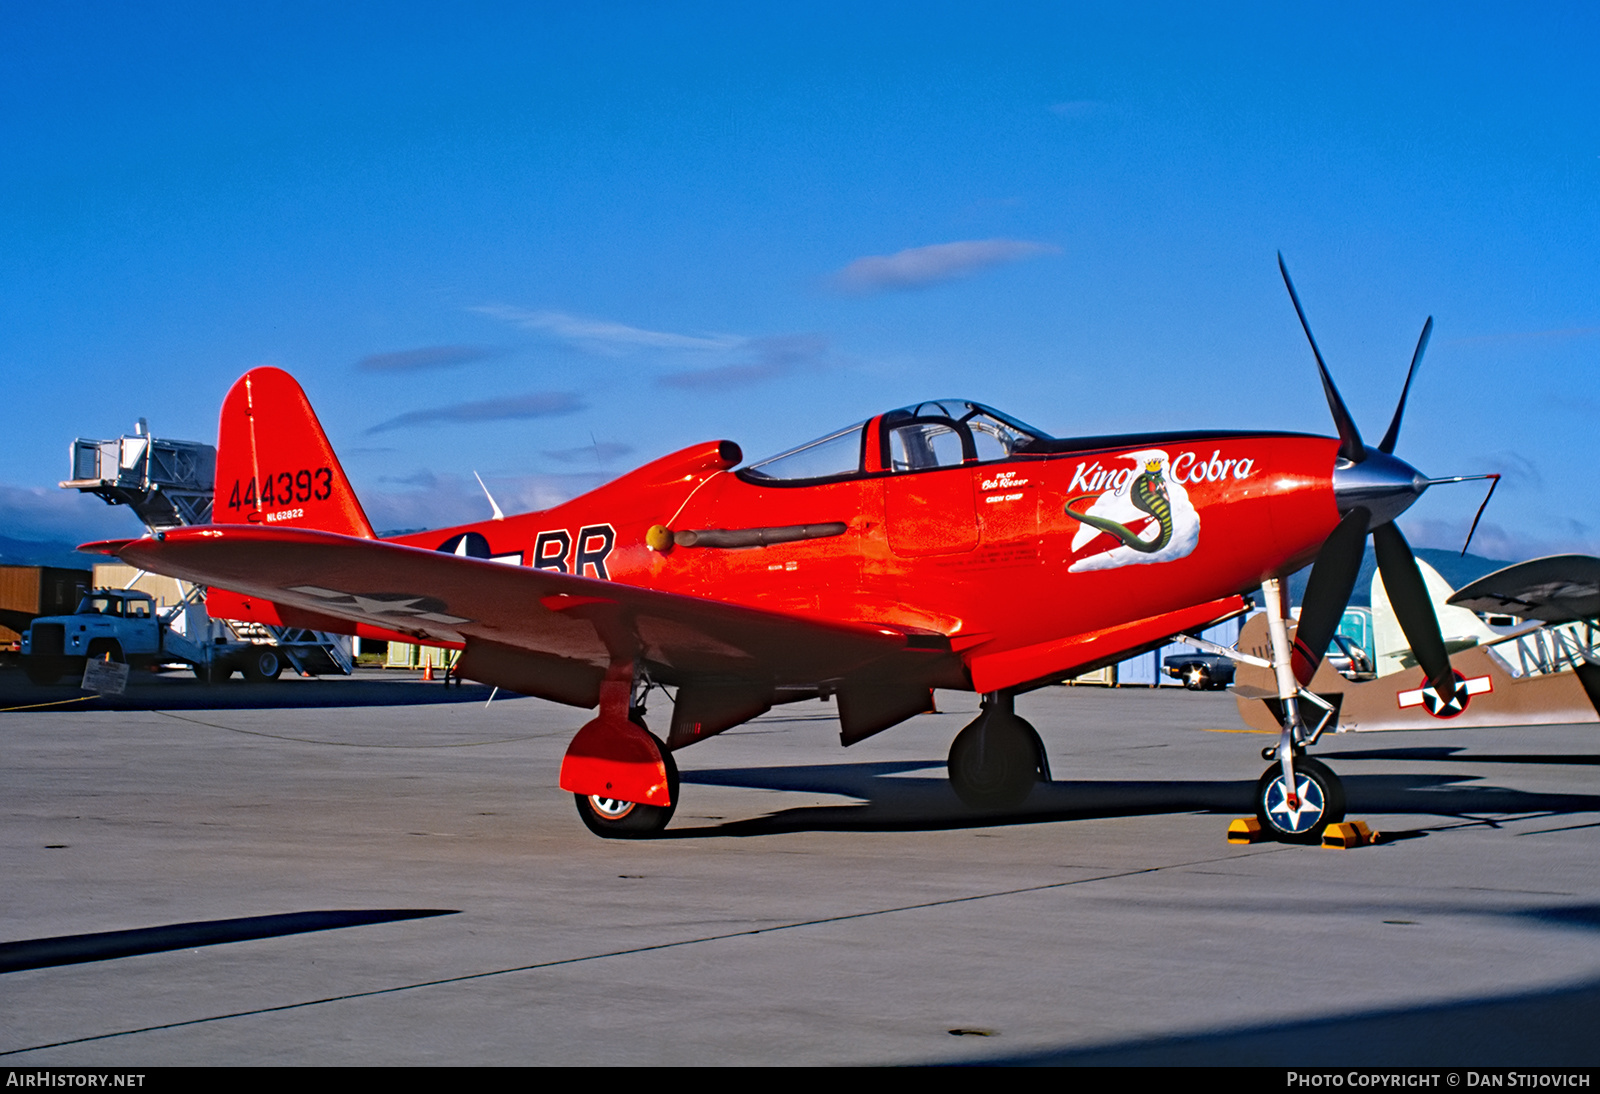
<point x="1371" y="488"/>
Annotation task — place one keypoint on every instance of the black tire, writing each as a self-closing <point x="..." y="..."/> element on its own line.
<point x="43" y="671"/>
<point x="261" y="665"/>
<point x="995" y="762"/>
<point x="214" y="673"/>
<point x="1322" y="795"/>
<point x="611" y="818"/>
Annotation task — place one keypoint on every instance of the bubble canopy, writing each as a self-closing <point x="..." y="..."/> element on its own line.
<point x="934" y="434"/>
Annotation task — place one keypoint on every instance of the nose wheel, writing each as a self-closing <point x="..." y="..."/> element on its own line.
<point x="997" y="759"/>
<point x="1318" y="801"/>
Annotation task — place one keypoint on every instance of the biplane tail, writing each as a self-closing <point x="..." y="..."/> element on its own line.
<point x="275" y="467"/>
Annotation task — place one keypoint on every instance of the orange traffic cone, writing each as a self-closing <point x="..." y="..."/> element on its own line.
<point x="427" y="671"/>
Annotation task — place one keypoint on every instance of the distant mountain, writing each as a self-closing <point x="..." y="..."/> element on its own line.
<point x="23" y="552"/>
<point x="1455" y="569"/>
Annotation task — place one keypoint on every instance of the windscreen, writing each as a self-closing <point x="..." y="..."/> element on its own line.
<point x="834" y="456"/>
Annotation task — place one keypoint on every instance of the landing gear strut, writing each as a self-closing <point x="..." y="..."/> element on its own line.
<point x="996" y="760"/>
<point x="1297" y="797"/>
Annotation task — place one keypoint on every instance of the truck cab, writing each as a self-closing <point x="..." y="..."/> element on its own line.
<point x="119" y="624"/>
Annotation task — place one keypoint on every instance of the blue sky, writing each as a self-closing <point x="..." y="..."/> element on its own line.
<point x="550" y="242"/>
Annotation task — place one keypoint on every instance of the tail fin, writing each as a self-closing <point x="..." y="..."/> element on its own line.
<point x="1458" y="626"/>
<point x="275" y="466"/>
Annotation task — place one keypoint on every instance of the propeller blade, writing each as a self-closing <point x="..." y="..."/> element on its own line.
<point x="1389" y="438"/>
<point x="1327" y="592"/>
<point x="1350" y="446"/>
<point x="1412" y="606"/>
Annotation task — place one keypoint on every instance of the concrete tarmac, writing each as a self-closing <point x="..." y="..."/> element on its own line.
<point x="298" y="879"/>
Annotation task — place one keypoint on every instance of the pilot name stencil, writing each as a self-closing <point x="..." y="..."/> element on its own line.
<point x="1004" y="480"/>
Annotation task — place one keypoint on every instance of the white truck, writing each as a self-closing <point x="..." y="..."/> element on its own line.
<point x="123" y="625"/>
<point x="167" y="484"/>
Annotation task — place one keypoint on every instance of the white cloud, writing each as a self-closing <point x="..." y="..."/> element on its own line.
<point x="441" y="501"/>
<point x="536" y="404"/>
<point x="600" y="452"/>
<point x="1495" y="540"/>
<point x="1516" y="470"/>
<point x="762" y="359"/>
<point x="51" y="514"/>
<point x="604" y="337"/>
<point x="719" y="360"/>
<point x="427" y="357"/>
<point x="919" y="267"/>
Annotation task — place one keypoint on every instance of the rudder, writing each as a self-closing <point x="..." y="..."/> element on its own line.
<point x="275" y="466"/>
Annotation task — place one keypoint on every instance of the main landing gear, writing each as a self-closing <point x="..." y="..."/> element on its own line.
<point x="997" y="759"/>
<point x="622" y="776"/>
<point x="613" y="818"/>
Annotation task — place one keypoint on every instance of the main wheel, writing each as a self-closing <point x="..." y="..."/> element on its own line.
<point x="261" y="664"/>
<point x="1321" y="802"/>
<point x="612" y="818"/>
<point x="995" y="762"/>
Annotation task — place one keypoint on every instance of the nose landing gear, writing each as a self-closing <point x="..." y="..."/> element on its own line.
<point x="1318" y="801"/>
<point x="1297" y="797"/>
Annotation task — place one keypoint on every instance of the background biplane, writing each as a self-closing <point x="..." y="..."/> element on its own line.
<point x="1543" y="672"/>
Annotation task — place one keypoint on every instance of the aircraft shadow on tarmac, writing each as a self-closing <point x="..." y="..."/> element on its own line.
<point x="1547" y="1028"/>
<point x="74" y="949"/>
<point x="891" y="797"/>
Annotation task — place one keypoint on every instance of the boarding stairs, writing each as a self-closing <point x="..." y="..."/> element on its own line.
<point x="170" y="484"/>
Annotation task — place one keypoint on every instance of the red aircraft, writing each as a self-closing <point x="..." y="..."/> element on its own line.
<point x="941" y="545"/>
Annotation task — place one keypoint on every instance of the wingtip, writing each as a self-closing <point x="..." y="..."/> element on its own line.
<point x="105" y="546"/>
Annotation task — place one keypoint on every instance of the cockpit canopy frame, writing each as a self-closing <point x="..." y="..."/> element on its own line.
<point x="926" y="436"/>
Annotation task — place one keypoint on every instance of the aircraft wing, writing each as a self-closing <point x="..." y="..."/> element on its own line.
<point x="1558" y="589"/>
<point x="539" y="631"/>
